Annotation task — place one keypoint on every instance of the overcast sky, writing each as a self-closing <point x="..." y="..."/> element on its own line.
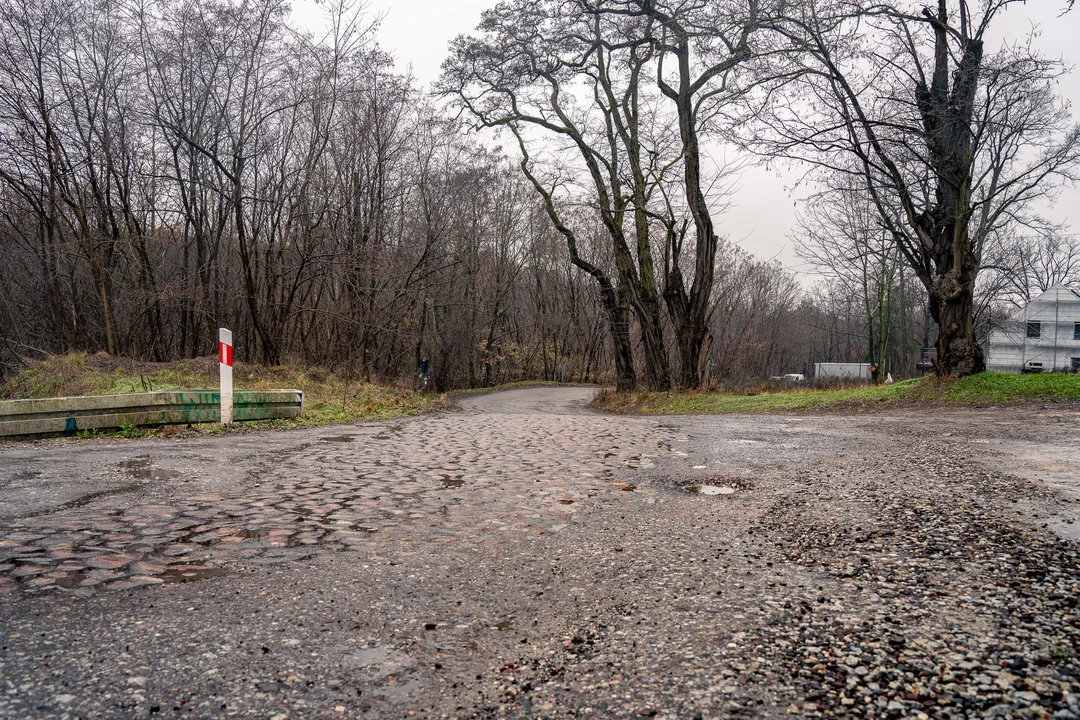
<point x="417" y="32"/>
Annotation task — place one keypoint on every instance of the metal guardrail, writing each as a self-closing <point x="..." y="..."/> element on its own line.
<point x="69" y="415"/>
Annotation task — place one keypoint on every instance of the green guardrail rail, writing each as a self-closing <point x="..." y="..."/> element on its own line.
<point x="69" y="415"/>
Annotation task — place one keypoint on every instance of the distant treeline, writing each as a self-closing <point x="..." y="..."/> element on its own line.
<point x="166" y="170"/>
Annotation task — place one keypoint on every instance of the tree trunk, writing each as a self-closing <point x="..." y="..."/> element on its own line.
<point x="619" y="319"/>
<point x="947" y="115"/>
<point x="655" y="354"/>
<point x="952" y="305"/>
<point x="691" y="321"/>
<point x="694" y="345"/>
<point x="692" y="335"/>
<point x="271" y="349"/>
<point x="615" y="302"/>
<point x="904" y="342"/>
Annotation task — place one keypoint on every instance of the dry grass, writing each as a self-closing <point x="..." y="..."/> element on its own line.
<point x="328" y="398"/>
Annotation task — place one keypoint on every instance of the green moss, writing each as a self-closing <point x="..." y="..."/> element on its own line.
<point x="988" y="388"/>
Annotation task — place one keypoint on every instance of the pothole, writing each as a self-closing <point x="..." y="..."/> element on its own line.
<point x="452" y="482"/>
<point x="710" y="489"/>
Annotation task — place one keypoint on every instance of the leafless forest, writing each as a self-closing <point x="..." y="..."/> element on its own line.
<point x="547" y="212"/>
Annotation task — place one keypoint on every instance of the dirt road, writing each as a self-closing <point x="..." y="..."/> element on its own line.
<point x="521" y="556"/>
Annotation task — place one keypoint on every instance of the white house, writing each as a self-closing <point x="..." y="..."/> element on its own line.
<point x="1042" y="336"/>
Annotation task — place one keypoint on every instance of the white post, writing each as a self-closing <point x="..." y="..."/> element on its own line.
<point x="225" y="366"/>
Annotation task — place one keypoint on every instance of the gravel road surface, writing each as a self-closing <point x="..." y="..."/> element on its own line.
<point x="520" y="556"/>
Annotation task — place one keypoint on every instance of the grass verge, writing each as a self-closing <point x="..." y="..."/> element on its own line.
<point x="988" y="388"/>
<point x="328" y="398"/>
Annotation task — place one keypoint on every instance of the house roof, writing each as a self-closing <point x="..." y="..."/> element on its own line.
<point x="1058" y="287"/>
<point x="1057" y="292"/>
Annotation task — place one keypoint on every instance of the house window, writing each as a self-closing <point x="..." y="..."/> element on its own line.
<point x="1034" y="329"/>
<point x="1076" y="331"/>
<point x="1076" y="364"/>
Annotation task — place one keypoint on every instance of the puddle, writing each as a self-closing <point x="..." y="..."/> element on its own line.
<point x="306" y="542"/>
<point x="339" y="438"/>
<point x="71" y="580"/>
<point x="378" y="662"/>
<point x="716" y="490"/>
<point x="190" y="573"/>
<point x="733" y="482"/>
<point x="710" y="489"/>
<point x="135" y="464"/>
<point x="142" y="468"/>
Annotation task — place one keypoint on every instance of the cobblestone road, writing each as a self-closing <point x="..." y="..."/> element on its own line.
<point x="520" y="557"/>
<point x="464" y="477"/>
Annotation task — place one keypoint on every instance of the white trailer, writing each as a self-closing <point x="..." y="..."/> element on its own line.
<point x="842" y="371"/>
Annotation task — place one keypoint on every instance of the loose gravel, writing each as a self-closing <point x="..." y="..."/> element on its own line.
<point x="871" y="566"/>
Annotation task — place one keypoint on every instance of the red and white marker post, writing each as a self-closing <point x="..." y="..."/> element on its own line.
<point x="225" y="366"/>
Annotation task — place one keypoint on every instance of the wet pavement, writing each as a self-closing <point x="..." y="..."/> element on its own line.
<point x="517" y="556"/>
<point x="330" y="490"/>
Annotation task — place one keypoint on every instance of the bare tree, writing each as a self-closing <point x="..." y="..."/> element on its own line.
<point x="706" y="42"/>
<point x="31" y="164"/>
<point x="591" y="75"/>
<point x="840" y="234"/>
<point x="1024" y="262"/>
<point x="577" y="78"/>
<point x="167" y="167"/>
<point x="959" y="140"/>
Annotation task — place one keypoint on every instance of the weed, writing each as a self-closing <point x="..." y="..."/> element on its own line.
<point x="129" y="430"/>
